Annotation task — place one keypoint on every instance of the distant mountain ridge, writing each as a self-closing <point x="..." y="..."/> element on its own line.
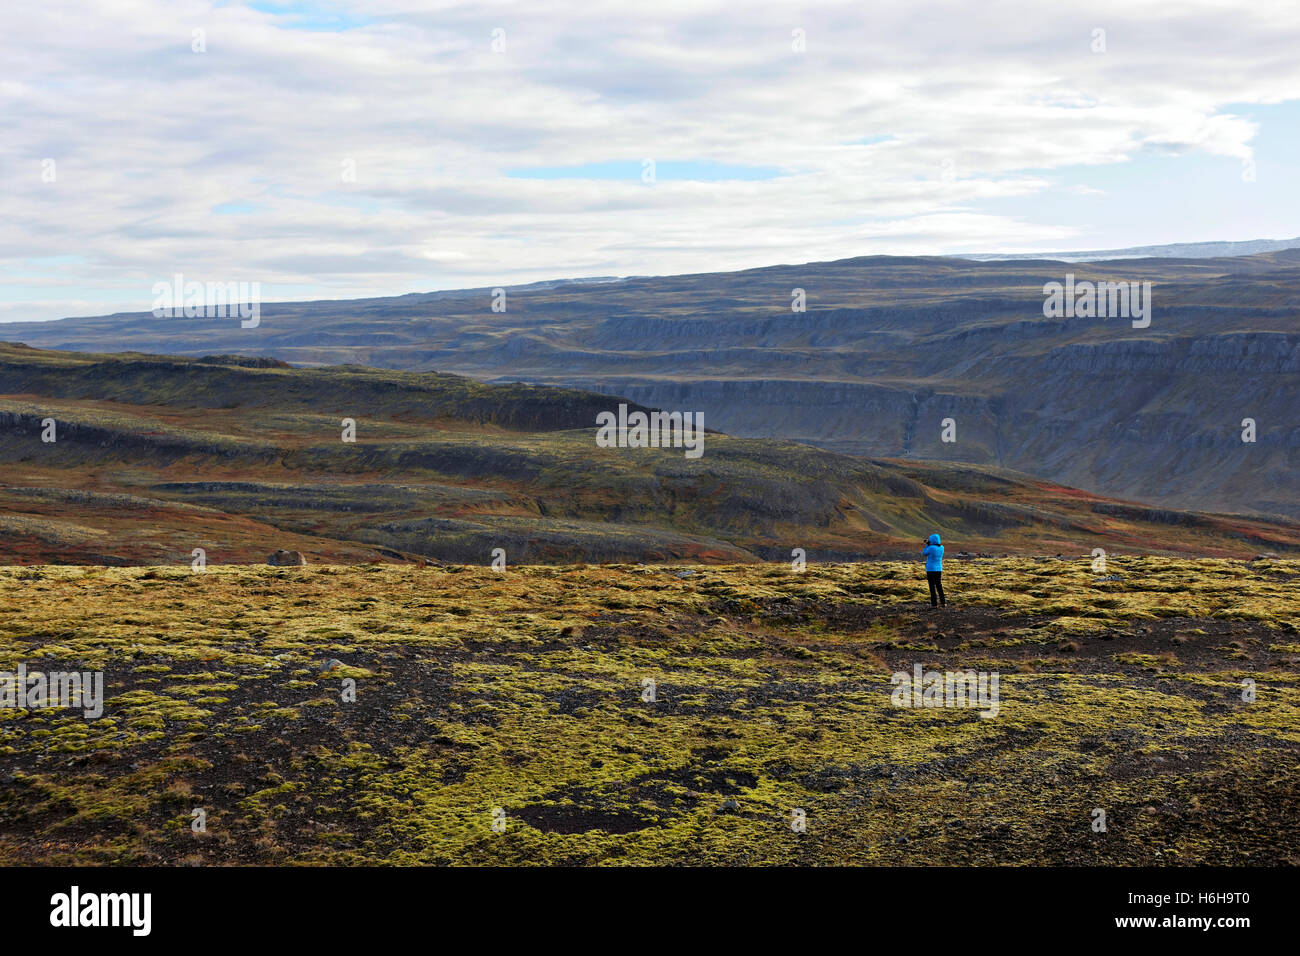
<point x="888" y="349"/>
<point x="1175" y="250"/>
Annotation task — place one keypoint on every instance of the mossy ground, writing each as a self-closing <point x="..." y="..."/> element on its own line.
<point x="523" y="691"/>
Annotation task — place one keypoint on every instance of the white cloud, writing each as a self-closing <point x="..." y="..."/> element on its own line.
<point x="981" y="103"/>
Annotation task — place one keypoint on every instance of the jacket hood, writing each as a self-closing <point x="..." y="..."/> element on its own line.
<point x="934" y="539"/>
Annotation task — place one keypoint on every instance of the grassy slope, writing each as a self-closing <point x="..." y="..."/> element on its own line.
<point x="158" y="456"/>
<point x="522" y="691"/>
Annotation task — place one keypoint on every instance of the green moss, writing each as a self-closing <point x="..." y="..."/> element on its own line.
<point x="524" y="692"/>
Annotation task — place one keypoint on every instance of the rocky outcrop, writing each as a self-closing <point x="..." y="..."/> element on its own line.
<point x="286" y="559"/>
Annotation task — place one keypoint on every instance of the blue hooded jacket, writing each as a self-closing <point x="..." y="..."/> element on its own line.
<point x="933" y="554"/>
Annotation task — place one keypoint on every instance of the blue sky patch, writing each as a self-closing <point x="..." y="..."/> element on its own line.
<point x="321" y="16"/>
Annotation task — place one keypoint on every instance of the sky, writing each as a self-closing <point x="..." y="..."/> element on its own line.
<point x="379" y="147"/>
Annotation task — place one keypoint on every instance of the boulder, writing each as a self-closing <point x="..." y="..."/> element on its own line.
<point x="286" y="559"/>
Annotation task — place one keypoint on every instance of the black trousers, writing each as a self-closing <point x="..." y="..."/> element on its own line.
<point x="936" y="587"/>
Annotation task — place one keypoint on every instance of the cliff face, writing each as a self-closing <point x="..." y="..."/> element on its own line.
<point x="1155" y="420"/>
<point x="887" y="351"/>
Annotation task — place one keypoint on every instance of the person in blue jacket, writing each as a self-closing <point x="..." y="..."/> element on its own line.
<point x="933" y="554"/>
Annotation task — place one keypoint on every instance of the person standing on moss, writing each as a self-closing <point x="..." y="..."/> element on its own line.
<point x="933" y="554"/>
